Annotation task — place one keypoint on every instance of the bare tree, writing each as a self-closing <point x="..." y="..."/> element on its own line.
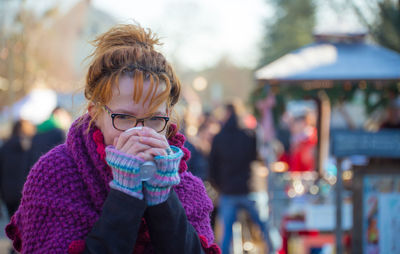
<point x="19" y="65"/>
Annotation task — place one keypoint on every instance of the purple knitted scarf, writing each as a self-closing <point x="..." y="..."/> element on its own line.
<point x="65" y="191"/>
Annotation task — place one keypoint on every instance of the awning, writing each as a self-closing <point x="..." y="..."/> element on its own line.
<point x="328" y="59"/>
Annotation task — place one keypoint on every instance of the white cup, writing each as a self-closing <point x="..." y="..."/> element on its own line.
<point x="148" y="168"/>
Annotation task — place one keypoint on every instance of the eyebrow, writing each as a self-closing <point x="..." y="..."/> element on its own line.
<point x="121" y="111"/>
<point x="159" y="113"/>
<point x="124" y="112"/>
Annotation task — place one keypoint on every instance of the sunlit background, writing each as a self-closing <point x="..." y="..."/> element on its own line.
<point x="269" y="57"/>
<point x="214" y="45"/>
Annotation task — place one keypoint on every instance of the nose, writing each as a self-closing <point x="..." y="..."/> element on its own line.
<point x="139" y="121"/>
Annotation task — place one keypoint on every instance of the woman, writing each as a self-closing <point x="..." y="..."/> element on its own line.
<point x="90" y="194"/>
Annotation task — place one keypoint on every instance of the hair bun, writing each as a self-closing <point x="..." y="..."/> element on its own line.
<point x="126" y="35"/>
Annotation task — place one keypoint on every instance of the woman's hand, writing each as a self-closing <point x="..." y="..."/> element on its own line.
<point x="157" y="188"/>
<point x="144" y="143"/>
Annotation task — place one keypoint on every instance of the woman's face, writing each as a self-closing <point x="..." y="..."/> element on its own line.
<point x="122" y="102"/>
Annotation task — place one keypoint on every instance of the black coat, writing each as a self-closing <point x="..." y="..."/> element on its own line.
<point x="232" y="152"/>
<point x="15" y="164"/>
<point x="45" y="141"/>
<point x="197" y="163"/>
<point x="169" y="228"/>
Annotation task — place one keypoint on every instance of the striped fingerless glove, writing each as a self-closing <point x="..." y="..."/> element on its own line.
<point x="125" y="170"/>
<point x="158" y="187"/>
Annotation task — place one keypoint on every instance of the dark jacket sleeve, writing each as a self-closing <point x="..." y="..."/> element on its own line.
<point x="254" y="152"/>
<point x="169" y="228"/>
<point x="117" y="228"/>
<point x="213" y="161"/>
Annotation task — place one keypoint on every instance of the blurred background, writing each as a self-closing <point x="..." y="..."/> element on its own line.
<point x="317" y="82"/>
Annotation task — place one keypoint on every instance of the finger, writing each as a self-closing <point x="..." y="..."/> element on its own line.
<point x="124" y="137"/>
<point x="136" y="149"/>
<point x="134" y="146"/>
<point x="149" y="132"/>
<point x="129" y="141"/>
<point x="156" y="152"/>
<point x="153" y="142"/>
<point x="145" y="156"/>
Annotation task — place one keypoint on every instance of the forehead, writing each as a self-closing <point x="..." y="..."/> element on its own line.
<point x="124" y="92"/>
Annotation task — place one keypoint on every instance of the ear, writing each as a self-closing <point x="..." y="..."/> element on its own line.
<point x="91" y="109"/>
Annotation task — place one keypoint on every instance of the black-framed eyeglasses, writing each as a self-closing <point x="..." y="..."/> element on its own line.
<point x="122" y="122"/>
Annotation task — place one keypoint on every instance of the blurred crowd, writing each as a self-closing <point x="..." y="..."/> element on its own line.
<point x="288" y="146"/>
<point x="224" y="149"/>
<point x="224" y="143"/>
<point x="294" y="142"/>
<point x="26" y="143"/>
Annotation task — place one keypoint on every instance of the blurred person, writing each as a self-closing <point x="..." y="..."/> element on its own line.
<point x="198" y="163"/>
<point x="267" y="123"/>
<point x="232" y="152"/>
<point x="200" y="145"/>
<point x="51" y="132"/>
<point x="207" y="130"/>
<point x="92" y="194"/>
<point x="58" y="119"/>
<point x="304" y="139"/>
<point x="392" y="120"/>
<point x="62" y="117"/>
<point x="266" y="130"/>
<point x="280" y="147"/>
<point x="15" y="162"/>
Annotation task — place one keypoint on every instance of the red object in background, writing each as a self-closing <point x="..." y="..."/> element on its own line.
<point x="303" y="153"/>
<point x="305" y="232"/>
<point x="286" y="234"/>
<point x="285" y="157"/>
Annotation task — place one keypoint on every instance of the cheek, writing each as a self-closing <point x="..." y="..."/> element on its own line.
<point x="108" y="130"/>
<point x="110" y="135"/>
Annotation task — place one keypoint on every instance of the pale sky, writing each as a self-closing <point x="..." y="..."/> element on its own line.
<point x="197" y="33"/>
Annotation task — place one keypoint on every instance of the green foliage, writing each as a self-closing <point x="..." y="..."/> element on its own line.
<point x="385" y="27"/>
<point x="290" y="29"/>
<point x="387" y="30"/>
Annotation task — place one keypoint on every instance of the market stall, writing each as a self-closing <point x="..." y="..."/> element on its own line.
<point x="331" y="72"/>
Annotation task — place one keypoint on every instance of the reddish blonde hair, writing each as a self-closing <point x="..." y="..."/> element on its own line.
<point x="128" y="50"/>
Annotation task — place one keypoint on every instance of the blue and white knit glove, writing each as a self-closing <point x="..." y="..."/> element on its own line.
<point x="125" y="169"/>
<point x="167" y="175"/>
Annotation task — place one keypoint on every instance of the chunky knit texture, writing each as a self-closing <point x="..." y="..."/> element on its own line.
<point x="126" y="172"/>
<point x="65" y="191"/>
<point x="158" y="187"/>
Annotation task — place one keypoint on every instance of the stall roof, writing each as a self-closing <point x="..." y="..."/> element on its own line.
<point x="328" y="59"/>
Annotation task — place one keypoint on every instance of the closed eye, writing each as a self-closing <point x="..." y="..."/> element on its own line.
<point x="125" y="117"/>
